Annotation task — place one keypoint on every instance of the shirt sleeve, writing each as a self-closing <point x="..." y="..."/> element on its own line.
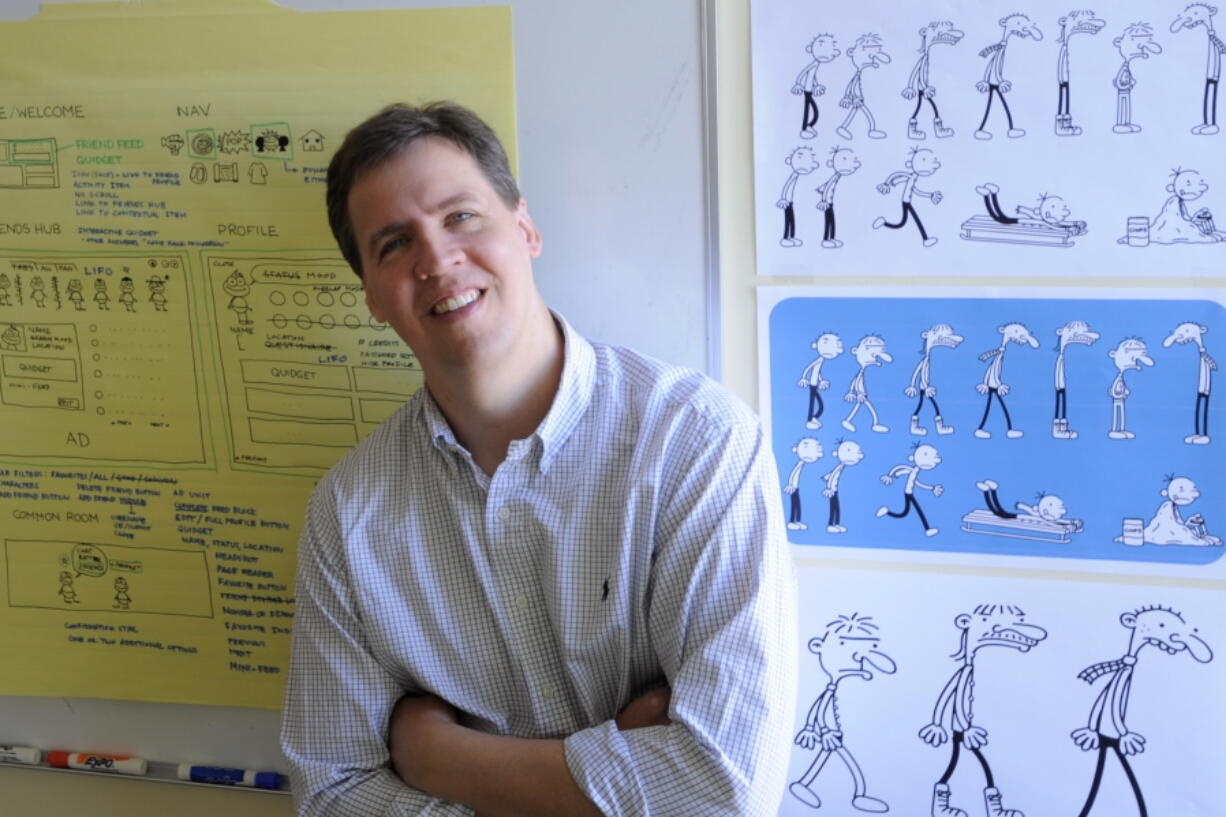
<point x="721" y="616"/>
<point x="339" y="698"/>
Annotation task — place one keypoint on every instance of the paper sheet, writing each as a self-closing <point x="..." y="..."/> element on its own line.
<point x="183" y="352"/>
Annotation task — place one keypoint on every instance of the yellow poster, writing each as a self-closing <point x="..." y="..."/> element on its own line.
<point x="183" y="352"/>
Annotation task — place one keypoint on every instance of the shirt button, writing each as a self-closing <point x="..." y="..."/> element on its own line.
<point x="548" y="692"/>
<point x="521" y="601"/>
<point x="504" y="513"/>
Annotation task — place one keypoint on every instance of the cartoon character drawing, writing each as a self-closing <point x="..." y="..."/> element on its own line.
<point x="822" y="49"/>
<point x="1137" y="41"/>
<point x="828" y="346"/>
<point x="123" y="601"/>
<point x="844" y="162"/>
<point x="157" y="293"/>
<point x="1107" y="727"/>
<point x="1168" y="527"/>
<point x="802" y="161"/>
<point x="922" y="458"/>
<point x="870" y="351"/>
<point x="1043" y="521"/>
<point x="5" y="295"/>
<point x="237" y="287"/>
<point x="848" y="649"/>
<point x="807" y="450"/>
<point x="1078" y="21"/>
<point x="11" y="339"/>
<point x="938" y="336"/>
<point x="75" y="296"/>
<point x="990" y="625"/>
<point x="994" y="82"/>
<point x="126" y="295"/>
<point x="38" y="291"/>
<point x="1073" y="332"/>
<point x="1174" y="224"/>
<point x="919" y="84"/>
<point x="1046" y="224"/>
<point x="864" y="53"/>
<point x="1192" y="332"/>
<point x="993" y="385"/>
<point x="921" y="163"/>
<point x="848" y="453"/>
<point x="1129" y="355"/>
<point x="102" y="298"/>
<point x="1201" y="14"/>
<point x="67" y="592"/>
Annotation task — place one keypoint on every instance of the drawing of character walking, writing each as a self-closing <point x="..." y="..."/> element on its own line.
<point x="828" y="346"/>
<point x="1073" y="332"/>
<point x="802" y="161"/>
<point x="1137" y="41"/>
<point x="1201" y="14"/>
<point x="994" y="82"/>
<point x="848" y="453"/>
<point x="870" y="351"/>
<point x="848" y="649"/>
<point x="990" y="625"/>
<point x="919" y="84"/>
<point x="922" y="458"/>
<point x="1192" y="332"/>
<point x="1107" y="728"/>
<point x="939" y="336"/>
<point x="1129" y="355"/>
<point x="864" y="53"/>
<point x="822" y="49"/>
<point x="1078" y="21"/>
<point x="807" y="450"/>
<point x="993" y="385"/>
<point x="921" y="163"/>
<point x="844" y="162"/>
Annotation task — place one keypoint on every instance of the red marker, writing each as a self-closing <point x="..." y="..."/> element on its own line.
<point x="97" y="763"/>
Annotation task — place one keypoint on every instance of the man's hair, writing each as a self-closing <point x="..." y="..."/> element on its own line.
<point x="390" y="132"/>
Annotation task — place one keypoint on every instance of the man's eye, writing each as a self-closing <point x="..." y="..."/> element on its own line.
<point x="461" y="217"/>
<point x="390" y="245"/>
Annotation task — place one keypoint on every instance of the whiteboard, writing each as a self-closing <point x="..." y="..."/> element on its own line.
<point x="613" y="160"/>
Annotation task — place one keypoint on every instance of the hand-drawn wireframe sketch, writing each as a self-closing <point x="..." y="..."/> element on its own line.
<point x="312" y="141"/>
<point x="1129" y="355"/>
<point x="1168" y="527"/>
<point x="1192" y="332"/>
<point x="38" y="291"/>
<point x="29" y="163"/>
<point x="1174" y="224"/>
<point x="1078" y="21"/>
<point x="990" y="625"/>
<point x="870" y="351"/>
<point x="865" y="52"/>
<point x="157" y="292"/>
<point x="923" y="457"/>
<point x="1201" y="14"/>
<point x="802" y="161"/>
<point x="938" y="336"/>
<point x="828" y="346"/>
<point x="1043" y="521"/>
<point x="1047" y="224"/>
<point x="5" y="294"/>
<point x="74" y="295"/>
<point x="1137" y="41"/>
<point x="822" y="49"/>
<point x="848" y="453"/>
<point x="102" y="298"/>
<point x="173" y="142"/>
<point x="67" y="592"/>
<point x="237" y="287"/>
<point x="123" y="600"/>
<point x="844" y="162"/>
<point x="11" y="339"/>
<point x="848" y="649"/>
<point x="920" y="163"/>
<point x="1073" y="332"/>
<point x="807" y="450"/>
<point x="127" y="296"/>
<point x="234" y="142"/>
<point x="1107" y="727"/>
<point x="993" y="385"/>
<point x="919" y="84"/>
<point x="994" y="82"/>
<point x="257" y="173"/>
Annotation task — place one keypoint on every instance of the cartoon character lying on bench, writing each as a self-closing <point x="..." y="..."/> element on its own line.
<point x="1044" y="521"/>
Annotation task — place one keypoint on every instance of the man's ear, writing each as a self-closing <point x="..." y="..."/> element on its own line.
<point x="1129" y="620"/>
<point x="372" y="306"/>
<point x="815" y="645"/>
<point x="532" y="236"/>
<point x="963" y="620"/>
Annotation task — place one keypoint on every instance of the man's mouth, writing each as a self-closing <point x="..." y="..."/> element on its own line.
<point x="455" y="302"/>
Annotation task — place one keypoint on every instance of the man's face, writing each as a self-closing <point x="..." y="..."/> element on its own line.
<point x="1182" y="491"/>
<point x="1052" y="508"/>
<point x="1168" y="632"/>
<point x="941" y="335"/>
<point x="848" y="654"/>
<point x="445" y="261"/>
<point x="1082" y="21"/>
<point x="1076" y="332"/>
<point x="1130" y="355"/>
<point x="844" y="162"/>
<point x="1053" y="209"/>
<point x="999" y="626"/>
<point x="868" y="55"/>
<point x="1137" y="44"/>
<point x="870" y="352"/>
<point x="808" y="449"/>
<point x="803" y="160"/>
<point x="924" y="163"/>
<point x="1017" y="333"/>
<point x="926" y="457"/>
<point x="823" y="48"/>
<point x="1188" y="185"/>
<point x="849" y="453"/>
<point x="829" y="346"/>
<point x="1185" y="333"/>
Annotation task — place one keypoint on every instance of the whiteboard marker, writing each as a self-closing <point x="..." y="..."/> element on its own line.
<point x="20" y="754"/>
<point x="229" y="777"/>
<point x="97" y="763"/>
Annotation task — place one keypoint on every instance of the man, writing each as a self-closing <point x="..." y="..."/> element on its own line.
<point x="547" y="529"/>
<point x="1137" y="42"/>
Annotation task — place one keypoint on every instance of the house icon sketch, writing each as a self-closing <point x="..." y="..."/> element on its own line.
<point x="312" y="140"/>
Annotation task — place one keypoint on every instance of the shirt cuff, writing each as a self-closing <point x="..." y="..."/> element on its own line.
<point x="600" y="761"/>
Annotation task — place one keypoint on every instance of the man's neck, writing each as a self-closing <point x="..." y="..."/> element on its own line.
<point x="491" y="403"/>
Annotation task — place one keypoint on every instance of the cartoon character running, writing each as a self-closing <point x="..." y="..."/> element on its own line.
<point x="828" y="346"/>
<point x="993" y="385"/>
<point x="870" y="351"/>
<point x="822" y="49"/>
<point x="994" y="82"/>
<point x="938" y="336"/>
<point x="922" y="458"/>
<point x="990" y="625"/>
<point x="1107" y="728"/>
<point x="807" y="450"/>
<point x="919" y="84"/>
<point x="864" y="53"/>
<point x="1192" y="332"/>
<point x="1129" y="355"/>
<point x="848" y="649"/>
<point x="848" y="453"/>
<point x="802" y="161"/>
<point x="1073" y="332"/>
<point x="1078" y="21"/>
<point x="1201" y="14"/>
<point x="844" y="162"/>
<point x="921" y="163"/>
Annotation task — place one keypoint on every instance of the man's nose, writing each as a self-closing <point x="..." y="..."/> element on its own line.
<point x="435" y="254"/>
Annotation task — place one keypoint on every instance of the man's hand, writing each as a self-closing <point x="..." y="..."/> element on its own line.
<point x="1086" y="739"/>
<point x="806" y="738"/>
<point x="982" y="388"/>
<point x="908" y="93"/>
<point x="937" y="490"/>
<point x="934" y="734"/>
<point x="409" y="730"/>
<point x="832" y="740"/>
<point x="1131" y="743"/>
<point x="910" y="391"/>
<point x="981" y="87"/>
<point x="975" y="737"/>
<point x="1005" y="86"/>
<point x="886" y="479"/>
<point x="936" y="197"/>
<point x="648" y="709"/>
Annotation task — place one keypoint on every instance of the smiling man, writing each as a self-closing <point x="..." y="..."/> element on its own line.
<point x="556" y="580"/>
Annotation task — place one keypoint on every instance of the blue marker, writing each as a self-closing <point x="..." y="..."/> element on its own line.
<point x="229" y="777"/>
